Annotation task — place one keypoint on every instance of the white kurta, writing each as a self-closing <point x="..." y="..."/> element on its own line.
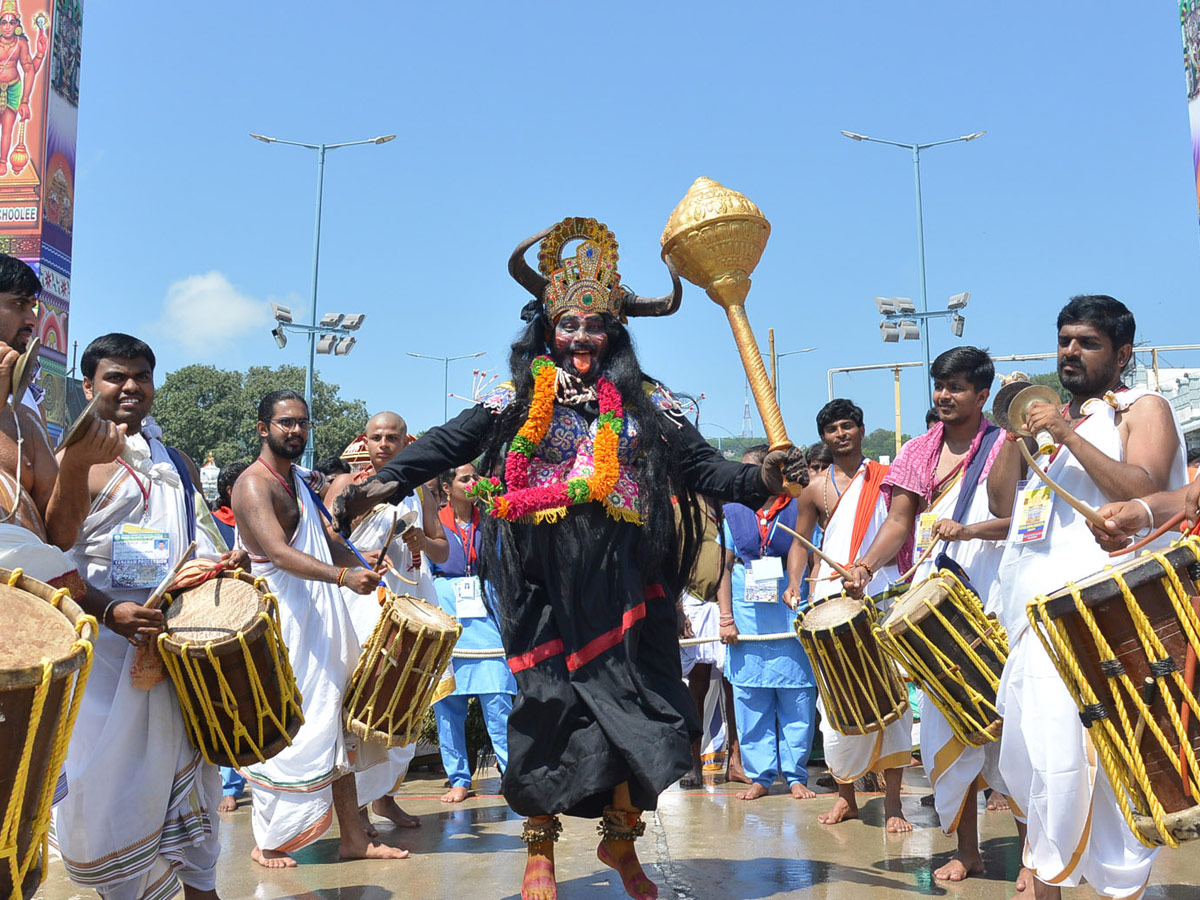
<point x="140" y="814"/>
<point x="292" y="793"/>
<point x="1076" y="831"/>
<point x="384" y="779"/>
<point x="957" y="771"/>
<point x="850" y="756"/>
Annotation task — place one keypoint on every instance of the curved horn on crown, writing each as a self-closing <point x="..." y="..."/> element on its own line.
<point x="523" y="273"/>
<point x="655" y="306"/>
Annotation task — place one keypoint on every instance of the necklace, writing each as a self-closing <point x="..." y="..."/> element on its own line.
<point x="521" y="500"/>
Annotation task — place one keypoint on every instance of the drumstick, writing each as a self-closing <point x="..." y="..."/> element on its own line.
<point x="391" y="568"/>
<point x="813" y="548"/>
<point x="1075" y="503"/>
<point x="156" y="596"/>
<point x="1152" y="536"/>
<point x="924" y="556"/>
<point x="387" y="542"/>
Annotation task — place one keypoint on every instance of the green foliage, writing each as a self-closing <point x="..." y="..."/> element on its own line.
<point x="882" y="442"/>
<point x="1051" y="378"/>
<point x="734" y="447"/>
<point x="203" y="408"/>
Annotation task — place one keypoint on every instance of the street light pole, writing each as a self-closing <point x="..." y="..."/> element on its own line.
<point x="312" y="335"/>
<point x="775" y="365"/>
<point x="916" y="149"/>
<point x="446" y="360"/>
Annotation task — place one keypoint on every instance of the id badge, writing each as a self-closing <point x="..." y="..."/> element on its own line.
<point x="924" y="532"/>
<point x="468" y="599"/>
<point x="1031" y="514"/>
<point x="762" y="580"/>
<point x="140" y="559"/>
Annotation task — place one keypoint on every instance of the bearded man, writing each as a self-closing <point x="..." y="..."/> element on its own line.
<point x="581" y="545"/>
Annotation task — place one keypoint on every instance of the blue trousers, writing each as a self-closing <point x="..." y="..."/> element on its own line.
<point x="451" y="716"/>
<point x="775" y="729"/>
<point x="232" y="783"/>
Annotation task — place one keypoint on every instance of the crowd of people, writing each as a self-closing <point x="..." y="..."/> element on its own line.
<point x="576" y="522"/>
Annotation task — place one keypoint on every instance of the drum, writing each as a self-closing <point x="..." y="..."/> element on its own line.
<point x="45" y="656"/>
<point x="860" y="687"/>
<point x="940" y="635"/>
<point x="1125" y="642"/>
<point x="397" y="675"/>
<point x="224" y="653"/>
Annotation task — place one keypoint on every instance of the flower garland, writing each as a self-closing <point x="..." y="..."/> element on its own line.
<point x="522" y="500"/>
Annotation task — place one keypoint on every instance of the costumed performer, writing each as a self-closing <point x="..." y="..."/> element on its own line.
<point x="936" y="490"/>
<point x="1113" y="443"/>
<point x="846" y="502"/>
<point x="386" y="433"/>
<point x="139" y="836"/>
<point x="774" y="692"/>
<point x="581" y="546"/>
<point x="296" y="793"/>
<point x="461" y="594"/>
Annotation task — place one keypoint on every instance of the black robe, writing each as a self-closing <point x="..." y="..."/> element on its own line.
<point x="594" y="648"/>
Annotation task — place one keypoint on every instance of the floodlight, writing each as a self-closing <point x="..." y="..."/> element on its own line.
<point x="281" y="313"/>
<point x="331" y="320"/>
<point x="854" y="137"/>
<point x="353" y="321"/>
<point x="263" y="138"/>
<point x="956" y="324"/>
<point x="889" y="332"/>
<point x="909" y="330"/>
<point x="958" y="301"/>
<point x="904" y="305"/>
<point x="280" y="337"/>
<point x="344" y="346"/>
<point x="326" y="342"/>
<point x="973" y="135"/>
<point x="383" y="139"/>
<point x="885" y="305"/>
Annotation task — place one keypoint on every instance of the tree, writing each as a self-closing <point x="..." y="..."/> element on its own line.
<point x="882" y="442"/>
<point x="203" y="408"/>
<point x="1051" y="378"/>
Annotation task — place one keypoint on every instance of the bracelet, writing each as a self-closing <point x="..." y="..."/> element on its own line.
<point x="726" y="620"/>
<point x="108" y="609"/>
<point x="1149" y="513"/>
<point x="342" y="574"/>
<point x="858" y="563"/>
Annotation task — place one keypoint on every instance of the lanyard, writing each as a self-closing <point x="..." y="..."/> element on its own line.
<point x="770" y="517"/>
<point x="143" y="488"/>
<point x="467" y="540"/>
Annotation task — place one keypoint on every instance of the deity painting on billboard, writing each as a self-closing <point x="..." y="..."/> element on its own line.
<point x="18" y="70"/>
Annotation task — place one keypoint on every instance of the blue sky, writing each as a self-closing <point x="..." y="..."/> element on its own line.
<point x="511" y="116"/>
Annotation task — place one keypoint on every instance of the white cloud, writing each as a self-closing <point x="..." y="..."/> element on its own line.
<point x="207" y="313"/>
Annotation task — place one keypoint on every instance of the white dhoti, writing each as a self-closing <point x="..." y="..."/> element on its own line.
<point x="140" y="813"/>
<point x="292" y="792"/>
<point x="384" y="779"/>
<point x="705" y="618"/>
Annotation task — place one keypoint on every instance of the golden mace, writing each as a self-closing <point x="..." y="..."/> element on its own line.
<point x="714" y="238"/>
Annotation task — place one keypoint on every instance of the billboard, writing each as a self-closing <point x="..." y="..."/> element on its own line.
<point x="1189" y="21"/>
<point x="39" y="104"/>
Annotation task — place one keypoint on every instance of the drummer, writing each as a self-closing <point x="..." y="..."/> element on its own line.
<point x="1131" y="519"/>
<point x="385" y="435"/>
<point x="845" y="501"/>
<point x="1113" y="444"/>
<point x="935" y="494"/>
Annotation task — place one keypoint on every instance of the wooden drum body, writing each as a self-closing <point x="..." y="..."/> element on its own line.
<point x="398" y="672"/>
<point x="224" y="653"/>
<point x="860" y="687"/>
<point x="940" y="635"/>
<point x="1125" y="642"/>
<point x="45" y="657"/>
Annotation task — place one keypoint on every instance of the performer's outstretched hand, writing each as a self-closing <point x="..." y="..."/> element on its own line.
<point x="780" y="466"/>
<point x="359" y="499"/>
<point x="1122" y="522"/>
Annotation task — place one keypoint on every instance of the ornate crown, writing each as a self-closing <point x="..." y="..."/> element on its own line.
<point x="589" y="280"/>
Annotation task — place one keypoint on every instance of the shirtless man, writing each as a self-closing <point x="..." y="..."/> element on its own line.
<point x="280" y="524"/>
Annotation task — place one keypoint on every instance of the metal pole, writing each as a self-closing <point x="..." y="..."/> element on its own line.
<point x="897" y="371"/>
<point x="312" y="320"/>
<point x="1154" y="360"/>
<point x="916" y="152"/>
<point x="445" y="391"/>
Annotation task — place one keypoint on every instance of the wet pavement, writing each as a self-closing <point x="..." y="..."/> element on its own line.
<point x="700" y="845"/>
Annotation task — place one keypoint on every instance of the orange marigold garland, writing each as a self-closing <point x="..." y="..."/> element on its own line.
<point x="522" y="500"/>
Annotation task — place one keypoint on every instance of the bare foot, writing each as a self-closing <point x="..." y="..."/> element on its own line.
<point x="839" y="812"/>
<point x="228" y="804"/>
<point x="735" y="772"/>
<point x="802" y="791"/>
<point x="897" y="824"/>
<point x="959" y="870"/>
<point x="621" y="856"/>
<point x="352" y="849"/>
<point x="997" y="801"/>
<point x="753" y="792"/>
<point x="368" y="826"/>
<point x="538" y="883"/>
<point x="455" y="795"/>
<point x="692" y="779"/>
<point x="1025" y="882"/>
<point x="390" y="810"/>
<point x="272" y="859"/>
